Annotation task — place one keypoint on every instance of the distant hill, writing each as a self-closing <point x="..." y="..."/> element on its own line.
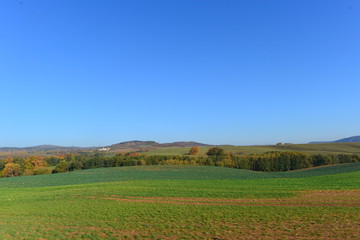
<point x="349" y="139"/>
<point x="130" y="145"/>
<point x="184" y="144"/>
<point x="343" y="140"/>
<point x="43" y="148"/>
<point x="180" y="148"/>
<point x="151" y="145"/>
<point x="320" y="142"/>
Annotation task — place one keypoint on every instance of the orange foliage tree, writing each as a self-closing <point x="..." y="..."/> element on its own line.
<point x="194" y="150"/>
<point x="35" y="165"/>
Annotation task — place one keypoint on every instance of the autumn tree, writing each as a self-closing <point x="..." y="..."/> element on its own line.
<point x="132" y="154"/>
<point x="215" y="151"/>
<point x="217" y="156"/>
<point x="9" y="159"/>
<point x="35" y="165"/>
<point x="194" y="151"/>
<point x="35" y="162"/>
<point x="11" y="170"/>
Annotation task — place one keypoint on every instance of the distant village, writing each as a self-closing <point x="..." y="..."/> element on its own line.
<point x="103" y="149"/>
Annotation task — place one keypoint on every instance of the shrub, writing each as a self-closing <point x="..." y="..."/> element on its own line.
<point x="63" y="166"/>
<point x="27" y="172"/>
<point x="42" y="171"/>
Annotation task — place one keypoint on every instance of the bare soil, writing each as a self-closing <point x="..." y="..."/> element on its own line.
<point x="318" y="198"/>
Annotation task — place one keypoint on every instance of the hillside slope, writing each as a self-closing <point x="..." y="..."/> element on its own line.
<point x="343" y="140"/>
<point x="349" y="139"/>
<point x="166" y="172"/>
<point x="187" y="202"/>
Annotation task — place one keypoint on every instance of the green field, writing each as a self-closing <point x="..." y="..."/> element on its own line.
<point x="183" y="202"/>
<point x="320" y="148"/>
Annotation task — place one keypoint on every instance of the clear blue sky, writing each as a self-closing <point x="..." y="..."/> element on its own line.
<point x="92" y="73"/>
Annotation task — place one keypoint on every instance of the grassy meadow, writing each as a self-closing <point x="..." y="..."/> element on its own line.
<point x="183" y="202"/>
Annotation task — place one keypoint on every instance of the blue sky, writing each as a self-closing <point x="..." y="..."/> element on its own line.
<point x="90" y="73"/>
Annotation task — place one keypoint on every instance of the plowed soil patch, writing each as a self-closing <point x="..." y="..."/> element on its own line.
<point x="328" y="198"/>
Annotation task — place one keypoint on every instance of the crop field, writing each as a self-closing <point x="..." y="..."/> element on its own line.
<point x="319" y="148"/>
<point x="183" y="202"/>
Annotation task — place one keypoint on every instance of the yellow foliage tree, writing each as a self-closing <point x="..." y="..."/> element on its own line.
<point x="11" y="170"/>
<point x="35" y="162"/>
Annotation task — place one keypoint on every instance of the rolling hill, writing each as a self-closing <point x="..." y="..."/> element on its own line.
<point x="167" y="172"/>
<point x="151" y="145"/>
<point x="54" y="148"/>
<point x="343" y="140"/>
<point x="346" y="145"/>
<point x="187" y="202"/>
<point x="320" y="148"/>
<point x="349" y="139"/>
<point x="123" y="146"/>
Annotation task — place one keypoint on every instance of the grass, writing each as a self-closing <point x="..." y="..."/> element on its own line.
<point x="165" y="173"/>
<point x="183" y="202"/>
<point x="320" y="148"/>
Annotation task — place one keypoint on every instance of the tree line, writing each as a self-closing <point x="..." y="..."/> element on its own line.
<point x="270" y="161"/>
